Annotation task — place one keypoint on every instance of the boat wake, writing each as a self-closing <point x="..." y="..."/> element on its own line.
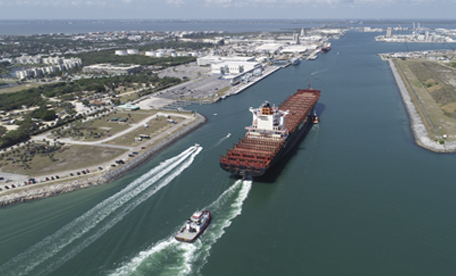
<point x="54" y="250"/>
<point x="221" y="140"/>
<point x="170" y="257"/>
<point x="318" y="72"/>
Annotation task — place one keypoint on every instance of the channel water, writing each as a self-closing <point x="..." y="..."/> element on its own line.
<point x="356" y="197"/>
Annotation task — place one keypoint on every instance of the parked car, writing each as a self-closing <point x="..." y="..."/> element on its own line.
<point x="131" y="155"/>
<point x="100" y="168"/>
<point x="87" y="170"/>
<point x="47" y="178"/>
<point x="58" y="177"/>
<point x="83" y="172"/>
<point x="52" y="178"/>
<point x="143" y="147"/>
<point x="71" y="174"/>
<point x="78" y="173"/>
<point x="135" y="152"/>
<point x="113" y="165"/>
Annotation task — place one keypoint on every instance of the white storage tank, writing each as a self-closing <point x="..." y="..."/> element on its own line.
<point x="132" y="51"/>
<point x="160" y="54"/>
<point x="121" y="53"/>
<point x="150" y="53"/>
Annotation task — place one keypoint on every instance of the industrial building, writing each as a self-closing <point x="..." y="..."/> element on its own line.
<point x="112" y="69"/>
<point x="208" y="60"/>
<point x="233" y="68"/>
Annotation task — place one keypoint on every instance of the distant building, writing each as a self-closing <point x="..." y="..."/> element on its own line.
<point x="296" y="38"/>
<point x="129" y="107"/>
<point x="233" y="68"/>
<point x="112" y="69"/>
<point x="207" y="60"/>
<point x="388" y="32"/>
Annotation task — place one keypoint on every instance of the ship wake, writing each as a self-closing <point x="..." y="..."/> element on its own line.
<point x="170" y="257"/>
<point x="54" y="250"/>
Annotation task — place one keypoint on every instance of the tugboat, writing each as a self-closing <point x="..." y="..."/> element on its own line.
<point x="194" y="226"/>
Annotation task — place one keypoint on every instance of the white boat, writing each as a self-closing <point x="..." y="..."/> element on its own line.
<point x="194" y="226"/>
<point x="229" y="135"/>
<point x="295" y="61"/>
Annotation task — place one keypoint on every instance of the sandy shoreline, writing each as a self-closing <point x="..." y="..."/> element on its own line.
<point x="60" y="188"/>
<point x="420" y="134"/>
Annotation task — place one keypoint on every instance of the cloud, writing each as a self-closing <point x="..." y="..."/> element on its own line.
<point x="222" y="2"/>
<point x="62" y="3"/>
<point x="174" y="2"/>
<point x="312" y="2"/>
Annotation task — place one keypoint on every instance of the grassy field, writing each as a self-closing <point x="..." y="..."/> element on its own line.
<point x="76" y="157"/>
<point x="103" y="127"/>
<point x="19" y="87"/>
<point x="433" y="94"/>
<point x="156" y="126"/>
<point x="70" y="158"/>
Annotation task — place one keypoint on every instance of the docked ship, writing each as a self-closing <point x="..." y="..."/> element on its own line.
<point x="194" y="226"/>
<point x="273" y="133"/>
<point x="295" y="61"/>
<point x="326" y="48"/>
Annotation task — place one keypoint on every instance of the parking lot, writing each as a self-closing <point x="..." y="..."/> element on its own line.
<point x="202" y="88"/>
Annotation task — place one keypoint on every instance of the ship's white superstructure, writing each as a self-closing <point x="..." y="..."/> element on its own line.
<point x="268" y="121"/>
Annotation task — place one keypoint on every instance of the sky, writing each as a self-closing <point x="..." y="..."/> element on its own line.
<point x="227" y="9"/>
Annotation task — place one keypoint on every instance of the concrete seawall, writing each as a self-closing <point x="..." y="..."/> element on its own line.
<point x="419" y="131"/>
<point x="65" y="187"/>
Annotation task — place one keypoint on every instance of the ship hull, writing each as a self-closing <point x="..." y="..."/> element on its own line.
<point x="290" y="144"/>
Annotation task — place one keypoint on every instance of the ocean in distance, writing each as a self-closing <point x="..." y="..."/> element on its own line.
<point x="31" y="27"/>
<point x="357" y="197"/>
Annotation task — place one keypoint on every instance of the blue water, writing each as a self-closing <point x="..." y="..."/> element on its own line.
<point x="357" y="197"/>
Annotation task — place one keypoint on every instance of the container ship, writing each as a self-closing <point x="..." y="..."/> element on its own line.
<point x="273" y="133"/>
<point x="326" y="48"/>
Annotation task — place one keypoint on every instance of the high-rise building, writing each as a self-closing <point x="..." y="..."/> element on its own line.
<point x="388" y="32"/>
<point x="296" y="38"/>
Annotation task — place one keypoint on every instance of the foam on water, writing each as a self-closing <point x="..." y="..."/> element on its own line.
<point x="170" y="257"/>
<point x="53" y="244"/>
<point x="221" y="140"/>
